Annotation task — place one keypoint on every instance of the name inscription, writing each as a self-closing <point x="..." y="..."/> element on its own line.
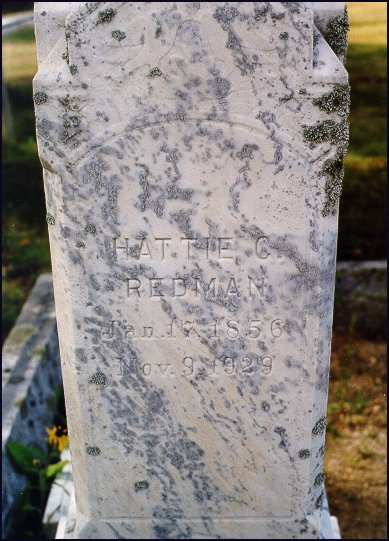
<point x="138" y="286"/>
<point x="207" y="248"/>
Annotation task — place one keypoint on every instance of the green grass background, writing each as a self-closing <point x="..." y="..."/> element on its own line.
<point x="362" y="217"/>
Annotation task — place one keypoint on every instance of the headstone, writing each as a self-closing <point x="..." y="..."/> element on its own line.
<point x="192" y="156"/>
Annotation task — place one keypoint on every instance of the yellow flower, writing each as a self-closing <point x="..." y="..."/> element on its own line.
<point x="36" y="461"/>
<point x="58" y="435"/>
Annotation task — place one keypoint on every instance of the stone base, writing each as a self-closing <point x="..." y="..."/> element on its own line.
<point x="66" y="528"/>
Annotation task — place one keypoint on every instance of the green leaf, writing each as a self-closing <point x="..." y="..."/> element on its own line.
<point x="53" y="469"/>
<point x="23" y="457"/>
<point x="39" y="453"/>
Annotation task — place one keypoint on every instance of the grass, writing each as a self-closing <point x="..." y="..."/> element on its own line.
<point x="362" y="216"/>
<point x="362" y="228"/>
<point x="367" y="23"/>
<point x="25" y="240"/>
<point x="19" y="56"/>
<point x="362" y="222"/>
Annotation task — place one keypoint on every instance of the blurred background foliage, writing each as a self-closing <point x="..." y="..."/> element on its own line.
<point x="362" y="225"/>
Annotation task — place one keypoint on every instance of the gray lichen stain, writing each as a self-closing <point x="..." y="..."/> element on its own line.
<point x="336" y="33"/>
<point x="50" y="219"/>
<point x="320" y="426"/>
<point x="335" y="101"/>
<point x="90" y="229"/>
<point x="334" y="171"/>
<point x="336" y="133"/>
<point x="40" y="97"/>
<point x="327" y="130"/>
<point x="141" y="485"/>
<point x="287" y="97"/>
<point x="246" y="62"/>
<point x="105" y="16"/>
<point x="118" y="35"/>
<point x="144" y="424"/>
<point x="99" y="379"/>
<point x="93" y="451"/>
<point x="155" y="72"/>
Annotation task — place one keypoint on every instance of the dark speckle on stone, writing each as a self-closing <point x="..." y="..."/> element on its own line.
<point x="336" y="101"/>
<point x="155" y="72"/>
<point x="93" y="451"/>
<point x="277" y="16"/>
<point x="261" y="12"/>
<point x="319" y="427"/>
<point x="40" y="97"/>
<point x="158" y="30"/>
<point x="336" y="34"/>
<point x="225" y="14"/>
<point x="91" y="229"/>
<point x="246" y="152"/>
<point x="50" y="219"/>
<point x="287" y="97"/>
<point x="328" y="130"/>
<point x="105" y="16"/>
<point x="99" y="379"/>
<point x="141" y="485"/>
<point x="118" y="34"/>
<point x="265" y="406"/>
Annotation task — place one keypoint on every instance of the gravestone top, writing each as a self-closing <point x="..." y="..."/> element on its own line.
<point x="192" y="157"/>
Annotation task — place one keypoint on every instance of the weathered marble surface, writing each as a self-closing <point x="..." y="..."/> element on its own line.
<point x="192" y="161"/>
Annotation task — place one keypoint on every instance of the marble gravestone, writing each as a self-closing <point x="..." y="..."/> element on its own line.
<point x="192" y="157"/>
